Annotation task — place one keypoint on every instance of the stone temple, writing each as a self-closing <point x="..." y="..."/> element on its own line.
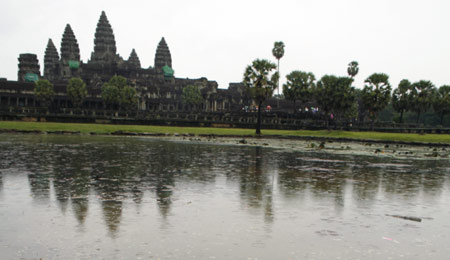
<point x="158" y="89"/>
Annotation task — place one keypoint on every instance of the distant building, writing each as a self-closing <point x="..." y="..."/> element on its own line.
<point x="157" y="87"/>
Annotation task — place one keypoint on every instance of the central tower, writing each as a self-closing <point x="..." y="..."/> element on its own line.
<point x="104" y="42"/>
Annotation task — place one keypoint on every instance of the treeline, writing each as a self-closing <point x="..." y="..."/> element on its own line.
<point x="337" y="99"/>
<point x="116" y="93"/>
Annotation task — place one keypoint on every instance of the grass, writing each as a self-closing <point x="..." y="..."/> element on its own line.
<point x="106" y="129"/>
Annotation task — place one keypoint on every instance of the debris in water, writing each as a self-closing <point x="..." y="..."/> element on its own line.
<point x="405" y="217"/>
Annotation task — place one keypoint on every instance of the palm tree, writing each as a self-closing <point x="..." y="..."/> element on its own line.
<point x="352" y="69"/>
<point x="441" y="103"/>
<point x="376" y="94"/>
<point x="401" y="98"/>
<point x="278" y="53"/>
<point x="259" y="84"/>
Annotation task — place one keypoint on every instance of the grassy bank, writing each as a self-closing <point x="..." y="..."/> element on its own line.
<point x="108" y="129"/>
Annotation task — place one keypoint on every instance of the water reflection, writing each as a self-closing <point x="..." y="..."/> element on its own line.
<point x="112" y="170"/>
<point x="1" y="181"/>
<point x="256" y="182"/>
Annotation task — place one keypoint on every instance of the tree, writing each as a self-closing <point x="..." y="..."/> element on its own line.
<point x="352" y="69"/>
<point x="376" y="94"/>
<point x="191" y="95"/>
<point x="423" y="93"/>
<point x="299" y="86"/>
<point x="77" y="92"/>
<point x="116" y="92"/>
<point x="441" y="102"/>
<point x="278" y="53"/>
<point x="44" y="92"/>
<point x="335" y="95"/>
<point x="128" y="98"/>
<point x="401" y="97"/>
<point x="111" y="95"/>
<point x="259" y="84"/>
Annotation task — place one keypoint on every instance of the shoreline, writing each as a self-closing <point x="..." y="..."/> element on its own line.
<point x="212" y="136"/>
<point x="151" y="130"/>
<point x="341" y="146"/>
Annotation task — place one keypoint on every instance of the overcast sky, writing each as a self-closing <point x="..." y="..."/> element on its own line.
<point x="218" y="39"/>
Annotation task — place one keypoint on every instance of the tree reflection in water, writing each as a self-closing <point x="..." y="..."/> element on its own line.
<point x="255" y="180"/>
<point x="113" y="170"/>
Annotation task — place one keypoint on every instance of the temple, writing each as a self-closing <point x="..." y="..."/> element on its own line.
<point x="157" y="87"/>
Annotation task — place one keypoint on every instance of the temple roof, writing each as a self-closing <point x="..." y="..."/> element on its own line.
<point x="133" y="60"/>
<point x="69" y="46"/>
<point x="104" y="42"/>
<point x="51" y="54"/>
<point x="162" y="56"/>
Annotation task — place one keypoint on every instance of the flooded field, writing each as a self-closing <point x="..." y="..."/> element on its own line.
<point x="86" y="197"/>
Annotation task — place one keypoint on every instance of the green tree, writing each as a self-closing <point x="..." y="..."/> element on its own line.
<point x="299" y="86"/>
<point x="278" y="53"/>
<point x="423" y="93"/>
<point x="401" y="97"/>
<point x="353" y="69"/>
<point x="441" y="102"/>
<point x="376" y="94"/>
<point x="111" y="95"/>
<point x="116" y="92"/>
<point x="191" y="95"/>
<point x="335" y="95"/>
<point x="77" y="92"/>
<point x="128" y="98"/>
<point x="44" y="92"/>
<point x="259" y="84"/>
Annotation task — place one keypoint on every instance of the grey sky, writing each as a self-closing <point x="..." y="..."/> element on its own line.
<point x="217" y="39"/>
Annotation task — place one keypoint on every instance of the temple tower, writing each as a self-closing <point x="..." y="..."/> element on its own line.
<point x="51" y="62"/>
<point x="162" y="56"/>
<point x="70" y="54"/>
<point x="28" y="67"/>
<point x="104" y="42"/>
<point x="133" y="60"/>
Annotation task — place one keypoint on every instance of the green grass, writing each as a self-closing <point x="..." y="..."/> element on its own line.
<point x="105" y="129"/>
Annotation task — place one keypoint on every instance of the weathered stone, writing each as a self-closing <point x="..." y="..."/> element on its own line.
<point x="157" y="88"/>
<point x="70" y="54"/>
<point x="133" y="60"/>
<point x="28" y="64"/>
<point x="51" y="62"/>
<point x="162" y="56"/>
<point x="104" y="42"/>
<point x="69" y="45"/>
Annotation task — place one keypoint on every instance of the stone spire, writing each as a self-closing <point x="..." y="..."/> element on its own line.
<point x="69" y="46"/>
<point x="133" y="60"/>
<point x="28" y="67"/>
<point x="104" y="42"/>
<point x="162" y="56"/>
<point x="51" y="62"/>
<point x="70" y="54"/>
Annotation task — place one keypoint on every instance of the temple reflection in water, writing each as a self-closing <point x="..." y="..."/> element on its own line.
<point x="78" y="172"/>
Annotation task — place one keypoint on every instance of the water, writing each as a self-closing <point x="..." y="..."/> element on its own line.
<point x="84" y="197"/>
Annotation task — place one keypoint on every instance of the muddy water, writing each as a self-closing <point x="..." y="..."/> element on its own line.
<point x="79" y="197"/>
